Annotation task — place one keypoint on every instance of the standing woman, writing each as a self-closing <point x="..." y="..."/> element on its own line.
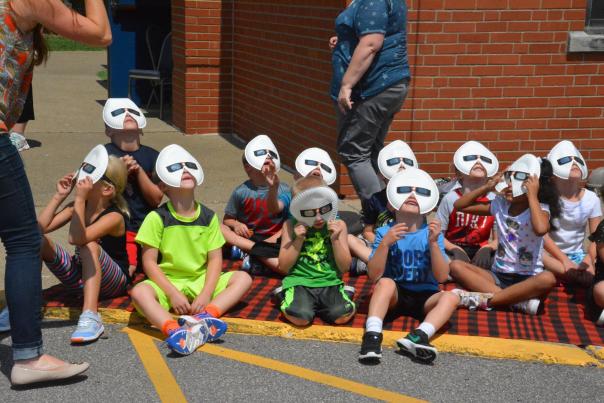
<point x="369" y="84"/>
<point x="21" y="47"/>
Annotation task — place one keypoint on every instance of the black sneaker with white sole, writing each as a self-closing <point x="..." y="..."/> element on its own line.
<point x="371" y="347"/>
<point x="416" y="344"/>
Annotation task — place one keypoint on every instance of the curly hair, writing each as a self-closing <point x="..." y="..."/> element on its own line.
<point x="548" y="193"/>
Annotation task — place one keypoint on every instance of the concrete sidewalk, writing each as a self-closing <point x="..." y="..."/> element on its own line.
<point x="68" y="99"/>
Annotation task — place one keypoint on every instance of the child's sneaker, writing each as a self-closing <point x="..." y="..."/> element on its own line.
<point x="90" y="328"/>
<point x="357" y="267"/>
<point x="278" y="295"/>
<point x="350" y="291"/>
<point x="600" y="321"/>
<point x="246" y="265"/>
<point x="371" y="347"/>
<point x="530" y="306"/>
<point x="187" y="339"/>
<point x="416" y="344"/>
<point x="216" y="327"/>
<point x="473" y="300"/>
<point x="4" y="320"/>
<point x="236" y="253"/>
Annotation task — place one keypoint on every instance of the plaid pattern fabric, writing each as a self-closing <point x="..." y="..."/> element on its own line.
<point x="566" y="318"/>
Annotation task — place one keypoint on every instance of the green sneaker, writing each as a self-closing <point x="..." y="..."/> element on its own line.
<point x="416" y="344"/>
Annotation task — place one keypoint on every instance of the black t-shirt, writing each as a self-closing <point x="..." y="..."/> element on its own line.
<point x="598" y="237"/>
<point x="375" y="210"/>
<point x="139" y="208"/>
<point x="115" y="246"/>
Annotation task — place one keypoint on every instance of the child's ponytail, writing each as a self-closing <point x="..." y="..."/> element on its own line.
<point x="548" y="193"/>
<point x="117" y="173"/>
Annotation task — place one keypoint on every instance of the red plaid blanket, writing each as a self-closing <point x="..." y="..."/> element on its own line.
<point x="565" y="320"/>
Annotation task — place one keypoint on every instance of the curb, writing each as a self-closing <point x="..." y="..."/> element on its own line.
<point x="485" y="347"/>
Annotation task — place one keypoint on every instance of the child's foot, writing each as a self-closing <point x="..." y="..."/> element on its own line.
<point x="216" y="327"/>
<point x="371" y="347"/>
<point x="357" y="267"/>
<point x="187" y="339"/>
<point x="530" y="306"/>
<point x="416" y="344"/>
<point x="600" y="321"/>
<point x="278" y="295"/>
<point x="473" y="300"/>
<point x="4" y="320"/>
<point x="350" y="291"/>
<point x="236" y="253"/>
<point x="90" y="328"/>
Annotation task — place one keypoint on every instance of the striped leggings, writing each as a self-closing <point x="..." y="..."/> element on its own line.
<point x="68" y="269"/>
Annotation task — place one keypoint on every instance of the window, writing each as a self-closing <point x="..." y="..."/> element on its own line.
<point x="594" y="21"/>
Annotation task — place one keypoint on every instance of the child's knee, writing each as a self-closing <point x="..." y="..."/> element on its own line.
<point x="241" y="278"/>
<point x="547" y="279"/>
<point x="456" y="266"/>
<point x="140" y="292"/>
<point x="384" y="286"/>
<point x="299" y="316"/>
<point x="449" y="298"/>
<point x="340" y="314"/>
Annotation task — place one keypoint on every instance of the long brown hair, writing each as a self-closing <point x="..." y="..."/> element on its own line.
<point x="40" y="47"/>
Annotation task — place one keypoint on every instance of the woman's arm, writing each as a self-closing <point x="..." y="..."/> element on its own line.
<point x="290" y="247"/>
<point x="92" y="29"/>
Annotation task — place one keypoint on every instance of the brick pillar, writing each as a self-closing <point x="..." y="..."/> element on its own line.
<point x="202" y="74"/>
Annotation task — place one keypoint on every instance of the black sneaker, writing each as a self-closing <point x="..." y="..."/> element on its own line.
<point x="278" y="295"/>
<point x="371" y="348"/>
<point x="416" y="344"/>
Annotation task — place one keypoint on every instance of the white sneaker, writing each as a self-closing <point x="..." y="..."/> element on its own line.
<point x="600" y="321"/>
<point x="473" y="300"/>
<point x="530" y="306"/>
<point x="19" y="141"/>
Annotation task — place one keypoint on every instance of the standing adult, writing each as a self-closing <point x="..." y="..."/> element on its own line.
<point x="21" y="47"/>
<point x="369" y="84"/>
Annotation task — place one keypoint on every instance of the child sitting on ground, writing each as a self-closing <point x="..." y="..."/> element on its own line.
<point x="596" y="294"/>
<point x="97" y="218"/>
<point x="523" y="214"/>
<point x="313" y="257"/>
<point x="393" y="158"/>
<point x="579" y="207"/>
<point x="467" y="235"/>
<point x="188" y="277"/>
<point x="124" y="122"/>
<point x="407" y="263"/>
<point x="257" y="208"/>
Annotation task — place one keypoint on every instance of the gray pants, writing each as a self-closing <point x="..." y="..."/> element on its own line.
<point x="361" y="134"/>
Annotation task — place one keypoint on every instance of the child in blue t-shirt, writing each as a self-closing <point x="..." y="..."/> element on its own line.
<point x="407" y="263"/>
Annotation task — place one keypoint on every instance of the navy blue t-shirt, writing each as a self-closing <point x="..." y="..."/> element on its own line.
<point x="390" y="65"/>
<point x="375" y="210"/>
<point x="139" y="208"/>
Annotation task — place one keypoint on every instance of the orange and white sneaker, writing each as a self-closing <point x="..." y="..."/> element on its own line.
<point x="186" y="340"/>
<point x="216" y="327"/>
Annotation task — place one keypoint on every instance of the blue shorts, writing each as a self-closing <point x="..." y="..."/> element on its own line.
<point x="504" y="280"/>
<point x="576" y="257"/>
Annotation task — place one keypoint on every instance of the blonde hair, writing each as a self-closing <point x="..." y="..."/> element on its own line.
<point x="307" y="182"/>
<point x="117" y="173"/>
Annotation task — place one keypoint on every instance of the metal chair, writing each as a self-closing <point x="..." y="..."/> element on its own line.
<point x="159" y="75"/>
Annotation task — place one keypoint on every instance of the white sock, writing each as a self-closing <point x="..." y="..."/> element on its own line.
<point x="425" y="327"/>
<point x="373" y="324"/>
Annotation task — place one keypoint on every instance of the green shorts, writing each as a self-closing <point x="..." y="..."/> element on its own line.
<point x="330" y="303"/>
<point x="190" y="289"/>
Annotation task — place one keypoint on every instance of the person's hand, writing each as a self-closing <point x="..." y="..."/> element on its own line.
<point x="333" y="41"/>
<point x="179" y="303"/>
<point x="242" y="230"/>
<point x="434" y="230"/>
<point x="270" y="175"/>
<point x="531" y="185"/>
<point x="131" y="164"/>
<point x="482" y="258"/>
<point x="335" y="227"/>
<point x="300" y="230"/>
<point x="83" y="187"/>
<point x="65" y="185"/>
<point x="460" y="254"/>
<point x="569" y="264"/>
<point x="494" y="180"/>
<point x="344" y="101"/>
<point x="395" y="233"/>
<point x="199" y="304"/>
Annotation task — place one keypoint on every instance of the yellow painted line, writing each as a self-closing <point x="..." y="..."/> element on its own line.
<point x="597" y="351"/>
<point x="486" y="347"/>
<point x="289" y="369"/>
<point x="159" y="373"/>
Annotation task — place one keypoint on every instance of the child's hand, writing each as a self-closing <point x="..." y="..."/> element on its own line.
<point x="65" y="185"/>
<point x="131" y="164"/>
<point x="333" y="41"/>
<point x="269" y="172"/>
<point x="199" y="304"/>
<point x="83" y="187"/>
<point x="242" y="230"/>
<point x="494" y="180"/>
<point x="532" y="185"/>
<point x="569" y="264"/>
<point x="180" y="303"/>
<point x="335" y="227"/>
<point x="300" y="230"/>
<point x="434" y="230"/>
<point x="395" y="233"/>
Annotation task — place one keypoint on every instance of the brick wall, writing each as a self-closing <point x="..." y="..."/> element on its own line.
<point x="202" y="74"/>
<point x="492" y="70"/>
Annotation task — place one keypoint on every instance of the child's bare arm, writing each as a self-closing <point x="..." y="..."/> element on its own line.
<point x="237" y="226"/>
<point x="377" y="263"/>
<point x="539" y="217"/>
<point x="368" y="233"/>
<point x="290" y="247"/>
<point x="179" y="302"/>
<point x="80" y="234"/>
<point x="49" y="220"/>
<point x="467" y="202"/>
<point x="212" y="276"/>
<point x="339" y="242"/>
<point x="440" y="265"/>
<point x="151" y="192"/>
